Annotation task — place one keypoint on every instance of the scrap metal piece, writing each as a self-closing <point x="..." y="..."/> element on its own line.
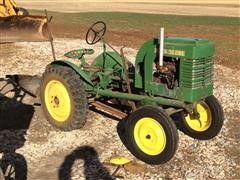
<point x="109" y="109"/>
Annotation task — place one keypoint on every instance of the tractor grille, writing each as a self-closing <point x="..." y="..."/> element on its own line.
<point x="196" y="73"/>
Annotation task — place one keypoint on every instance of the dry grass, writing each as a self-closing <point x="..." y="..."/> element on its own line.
<point x="139" y="7"/>
<point x="149" y="1"/>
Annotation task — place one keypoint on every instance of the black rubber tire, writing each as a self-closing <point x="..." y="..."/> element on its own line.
<point x="78" y="97"/>
<point x="170" y="130"/>
<point x="215" y="127"/>
<point x="16" y="164"/>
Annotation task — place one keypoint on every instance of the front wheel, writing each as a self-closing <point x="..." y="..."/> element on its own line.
<point x="151" y="135"/>
<point x="209" y="123"/>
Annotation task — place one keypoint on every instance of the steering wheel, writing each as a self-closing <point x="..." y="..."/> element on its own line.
<point x="95" y="32"/>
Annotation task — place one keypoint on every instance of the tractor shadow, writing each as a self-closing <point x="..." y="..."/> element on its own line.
<point x="93" y="168"/>
<point x="15" y="119"/>
<point x="121" y="130"/>
<point x="14" y="114"/>
<point x="122" y="122"/>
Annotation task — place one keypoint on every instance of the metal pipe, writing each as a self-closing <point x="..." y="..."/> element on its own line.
<point x="137" y="97"/>
<point x="50" y="36"/>
<point x="161" y="41"/>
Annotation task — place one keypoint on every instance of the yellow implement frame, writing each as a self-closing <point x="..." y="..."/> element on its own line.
<point x="8" y="8"/>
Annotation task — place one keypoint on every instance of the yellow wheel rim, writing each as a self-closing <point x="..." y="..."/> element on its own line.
<point x="205" y="118"/>
<point x="57" y="100"/>
<point x="119" y="160"/>
<point x="150" y="136"/>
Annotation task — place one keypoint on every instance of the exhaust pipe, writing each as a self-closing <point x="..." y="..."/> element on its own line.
<point x="161" y="41"/>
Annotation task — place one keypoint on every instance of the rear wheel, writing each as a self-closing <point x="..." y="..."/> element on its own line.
<point x="63" y="98"/>
<point x="151" y="135"/>
<point x="209" y="123"/>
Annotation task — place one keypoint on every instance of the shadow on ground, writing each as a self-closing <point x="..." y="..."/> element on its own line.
<point x="93" y="168"/>
<point x="15" y="118"/>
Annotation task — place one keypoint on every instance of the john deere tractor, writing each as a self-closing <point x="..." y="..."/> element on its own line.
<point x="170" y="86"/>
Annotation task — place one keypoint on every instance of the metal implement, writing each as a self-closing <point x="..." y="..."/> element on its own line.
<point x="23" y="28"/>
<point x="17" y="25"/>
<point x="8" y="8"/>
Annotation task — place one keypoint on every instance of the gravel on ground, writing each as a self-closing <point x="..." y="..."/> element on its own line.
<point x="80" y="154"/>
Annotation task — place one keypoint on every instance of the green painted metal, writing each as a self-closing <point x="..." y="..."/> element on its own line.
<point x="111" y="67"/>
<point x="145" y="99"/>
<point x="196" y="78"/>
<point x="108" y="65"/>
<point x="195" y="57"/>
<point x="83" y="74"/>
<point x="110" y="61"/>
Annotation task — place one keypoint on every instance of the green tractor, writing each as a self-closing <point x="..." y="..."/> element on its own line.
<point x="170" y="86"/>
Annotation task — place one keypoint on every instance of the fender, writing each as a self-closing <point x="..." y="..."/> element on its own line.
<point x="84" y="75"/>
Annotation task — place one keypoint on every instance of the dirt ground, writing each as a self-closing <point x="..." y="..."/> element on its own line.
<point x="41" y="152"/>
<point x="155" y="8"/>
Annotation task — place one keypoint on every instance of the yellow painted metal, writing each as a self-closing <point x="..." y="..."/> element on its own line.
<point x="119" y="160"/>
<point x="7" y="8"/>
<point x="150" y="136"/>
<point x="205" y="118"/>
<point x="57" y="100"/>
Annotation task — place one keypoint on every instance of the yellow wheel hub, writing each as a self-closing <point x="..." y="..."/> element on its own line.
<point x="205" y="118"/>
<point x="150" y="136"/>
<point x="57" y="100"/>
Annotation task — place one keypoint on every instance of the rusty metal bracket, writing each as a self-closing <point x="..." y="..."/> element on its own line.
<point x="127" y="78"/>
<point x="109" y="109"/>
<point x="124" y="69"/>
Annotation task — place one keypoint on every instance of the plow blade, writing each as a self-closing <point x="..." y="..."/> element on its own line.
<point x="23" y="28"/>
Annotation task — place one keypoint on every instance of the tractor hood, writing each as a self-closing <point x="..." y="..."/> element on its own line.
<point x="187" y="48"/>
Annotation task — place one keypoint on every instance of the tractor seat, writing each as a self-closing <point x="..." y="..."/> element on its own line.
<point x="78" y="53"/>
